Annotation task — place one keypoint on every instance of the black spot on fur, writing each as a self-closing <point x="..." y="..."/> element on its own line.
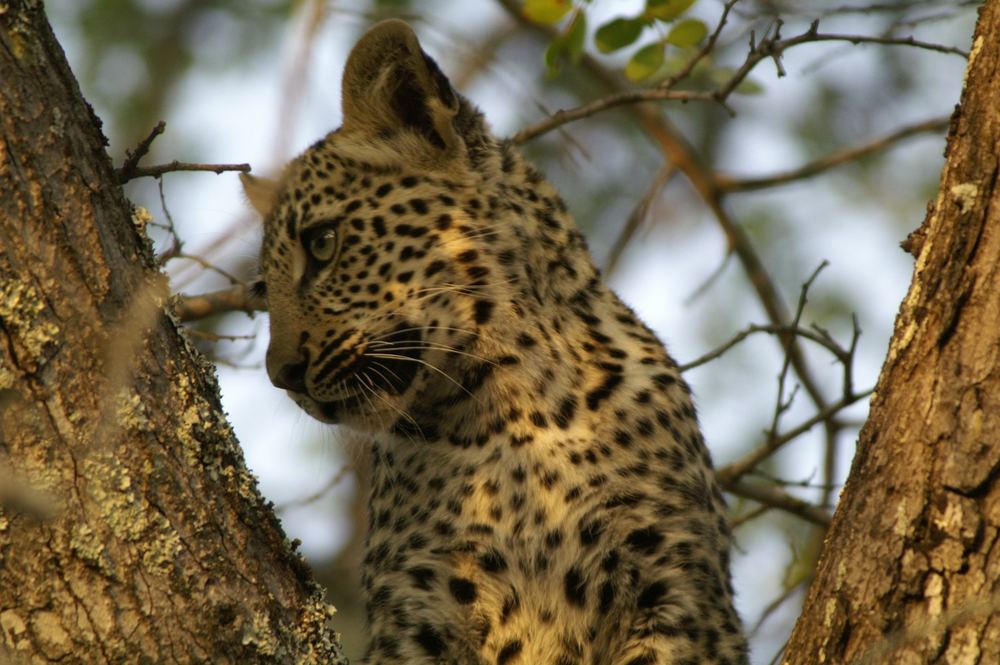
<point x="651" y="595"/>
<point x="574" y="587"/>
<point x="590" y="532"/>
<point x="602" y="392"/>
<point x="463" y="590"/>
<point x="430" y="639"/>
<point x="644" y="540"/>
<point x="422" y="577"/>
<point x="434" y="268"/>
<point x="483" y="310"/>
<point x="606" y="596"/>
<point x="492" y="561"/>
<point x="567" y="408"/>
<point x="509" y="652"/>
<point x="526" y="340"/>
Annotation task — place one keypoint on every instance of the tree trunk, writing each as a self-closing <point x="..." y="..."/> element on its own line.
<point x="910" y="570"/>
<point x="130" y="529"/>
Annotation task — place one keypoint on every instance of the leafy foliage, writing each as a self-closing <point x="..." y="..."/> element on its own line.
<point x="618" y="33"/>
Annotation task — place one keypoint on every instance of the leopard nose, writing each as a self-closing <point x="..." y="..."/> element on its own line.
<point x="291" y="377"/>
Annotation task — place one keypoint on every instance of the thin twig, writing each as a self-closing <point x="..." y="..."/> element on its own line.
<point x="565" y="116"/>
<point x="773" y="606"/>
<point x="780" y="403"/>
<point x="746" y="463"/>
<point x="132" y="157"/>
<point x="639" y="213"/>
<point x="710" y="280"/>
<point x="207" y="265"/>
<point x="234" y="299"/>
<point x="811" y="334"/>
<point x="891" y="41"/>
<point x="678" y="152"/>
<point x="777" y="498"/>
<point x="834" y="159"/>
<point x="160" y="169"/>
<point x="216" y="337"/>
<point x="704" y="51"/>
<point x="318" y="494"/>
<point x="769" y="47"/>
<point x="748" y="516"/>
<point x="176" y="244"/>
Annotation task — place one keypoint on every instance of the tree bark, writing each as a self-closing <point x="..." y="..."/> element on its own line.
<point x="130" y="529"/>
<point x="910" y="570"/>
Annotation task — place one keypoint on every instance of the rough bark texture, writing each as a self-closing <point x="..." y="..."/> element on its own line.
<point x="910" y="571"/>
<point x="130" y="529"/>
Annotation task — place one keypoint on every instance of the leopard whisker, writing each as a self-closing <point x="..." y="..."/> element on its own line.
<point x="394" y="356"/>
<point x="391" y="346"/>
<point x="402" y="414"/>
<point x="401" y="331"/>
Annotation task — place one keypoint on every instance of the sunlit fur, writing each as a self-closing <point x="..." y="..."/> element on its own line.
<point x="541" y="493"/>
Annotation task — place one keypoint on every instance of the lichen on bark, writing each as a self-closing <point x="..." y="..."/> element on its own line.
<point x="130" y="527"/>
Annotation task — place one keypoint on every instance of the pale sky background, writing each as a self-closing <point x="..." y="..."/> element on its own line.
<point x="231" y="116"/>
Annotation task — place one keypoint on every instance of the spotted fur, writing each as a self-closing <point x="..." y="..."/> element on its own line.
<point x="541" y="492"/>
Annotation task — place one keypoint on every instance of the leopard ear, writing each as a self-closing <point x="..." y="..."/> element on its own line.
<point x="391" y="86"/>
<point x="261" y="192"/>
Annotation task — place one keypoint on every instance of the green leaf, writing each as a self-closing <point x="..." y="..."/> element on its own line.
<point x="567" y="44"/>
<point x="618" y="33"/>
<point x="546" y="12"/>
<point x="553" y="56"/>
<point x="575" y="36"/>
<point x="646" y="62"/>
<point x="687" y="33"/>
<point x="667" y="10"/>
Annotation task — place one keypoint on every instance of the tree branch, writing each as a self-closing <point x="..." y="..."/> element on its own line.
<point x="777" y="498"/>
<point x="160" y="169"/>
<point x="837" y="158"/>
<point x="132" y="157"/>
<point x="731" y="472"/>
<point x="770" y="47"/>
<point x="130" y="169"/>
<point x="237" y="298"/>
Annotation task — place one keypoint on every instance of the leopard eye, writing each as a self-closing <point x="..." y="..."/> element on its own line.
<point x="323" y="245"/>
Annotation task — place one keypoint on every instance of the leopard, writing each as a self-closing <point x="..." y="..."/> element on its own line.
<point x="541" y="492"/>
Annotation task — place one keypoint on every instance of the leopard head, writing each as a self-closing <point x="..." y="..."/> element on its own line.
<point x="381" y="258"/>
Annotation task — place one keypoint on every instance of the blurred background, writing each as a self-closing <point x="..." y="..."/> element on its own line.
<point x="259" y="80"/>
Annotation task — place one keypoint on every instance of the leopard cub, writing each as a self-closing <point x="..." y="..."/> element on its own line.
<point x="541" y="493"/>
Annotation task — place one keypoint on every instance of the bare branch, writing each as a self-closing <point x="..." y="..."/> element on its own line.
<point x="782" y="598"/>
<point x="704" y="51"/>
<point x="564" y="116"/>
<point x="808" y="333"/>
<point x="238" y="298"/>
<point x="769" y="47"/>
<point x="639" y="213"/>
<point x="891" y="41"/>
<point x="160" y="169"/>
<point x="740" y="467"/>
<point x="834" y="159"/>
<point x="130" y="169"/>
<point x="788" y="341"/>
<point x="749" y="516"/>
<point x="207" y="265"/>
<point x="318" y="494"/>
<point x="777" y="498"/>
<point x="132" y="157"/>
<point x="678" y="152"/>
